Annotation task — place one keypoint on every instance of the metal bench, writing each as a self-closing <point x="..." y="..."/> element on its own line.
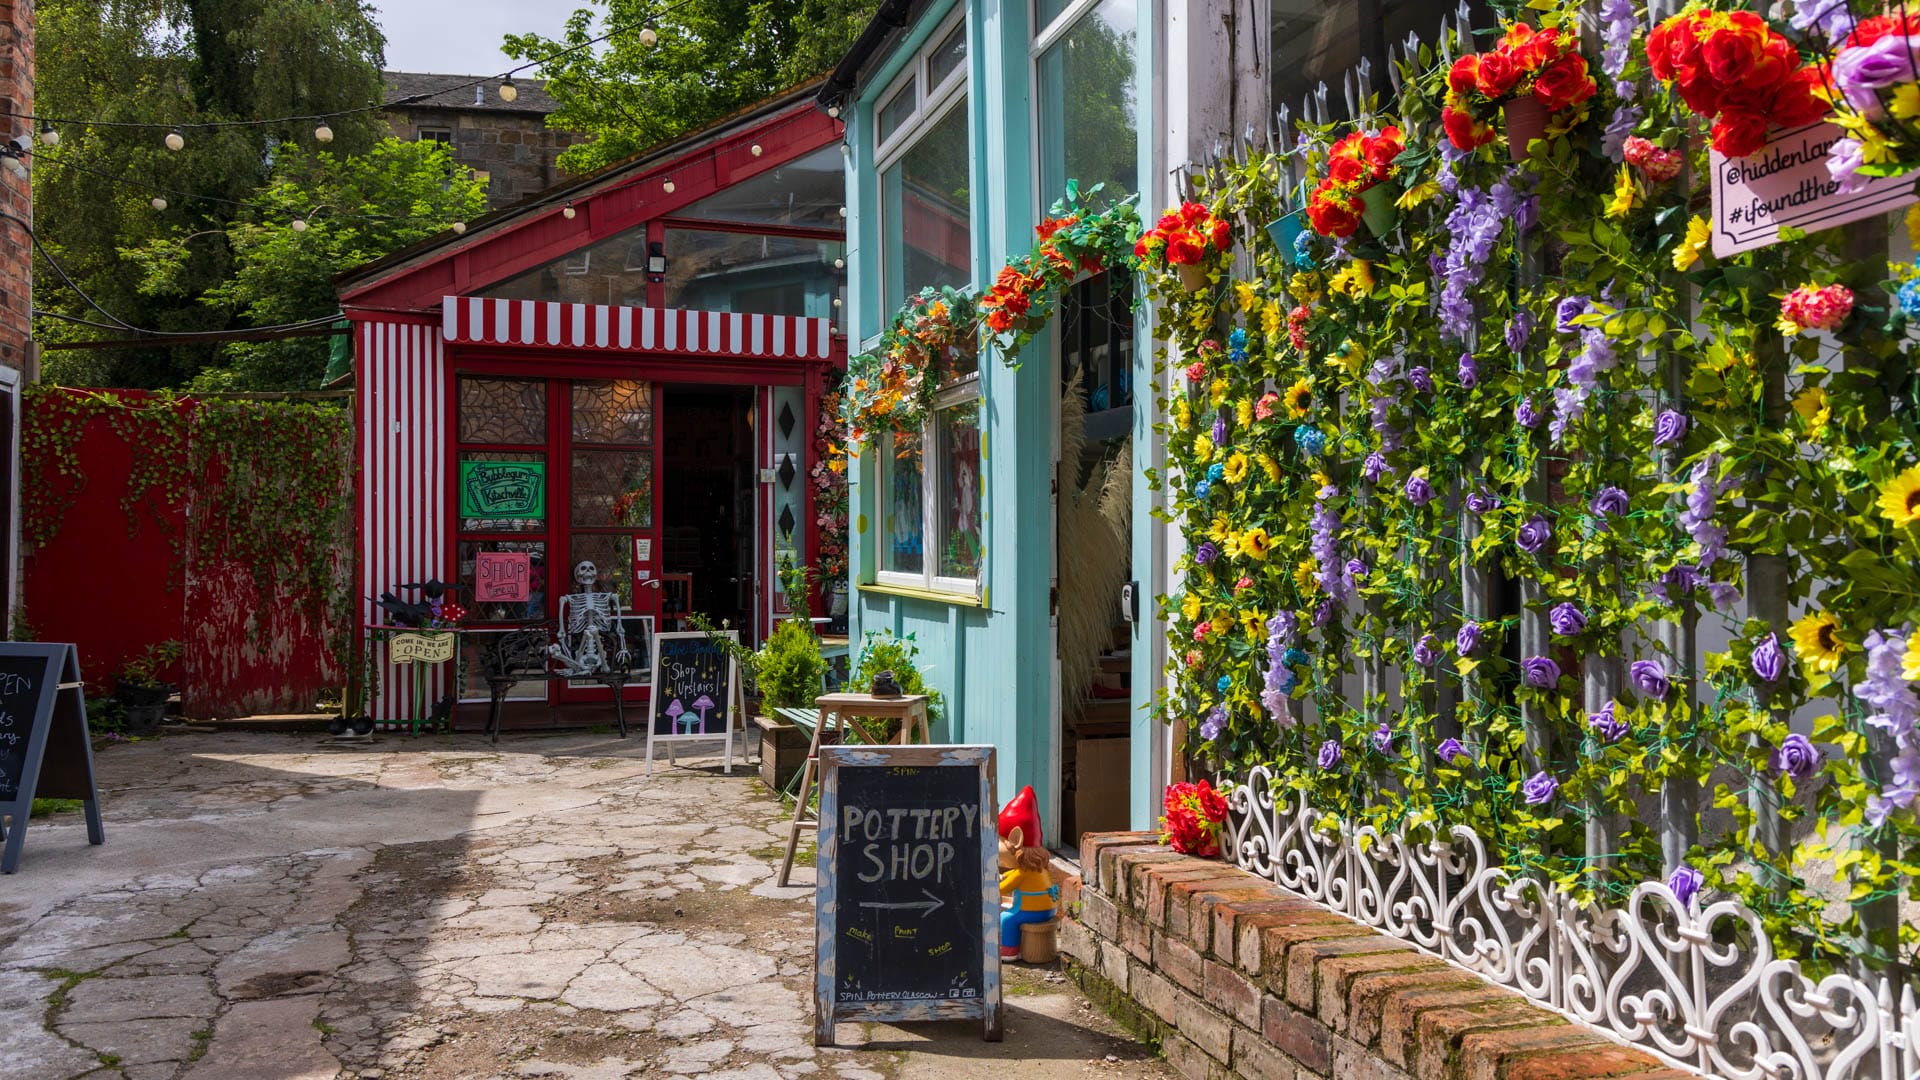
<point x="520" y="655"/>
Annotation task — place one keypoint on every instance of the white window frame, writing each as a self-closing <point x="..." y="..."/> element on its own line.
<point x="962" y="391"/>
<point x="929" y="102"/>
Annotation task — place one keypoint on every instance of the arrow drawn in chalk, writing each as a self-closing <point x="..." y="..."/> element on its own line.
<point x="927" y="907"/>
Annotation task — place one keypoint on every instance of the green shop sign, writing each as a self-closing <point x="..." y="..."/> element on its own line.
<point x="503" y="489"/>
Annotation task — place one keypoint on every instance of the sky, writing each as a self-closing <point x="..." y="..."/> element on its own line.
<point x="462" y="37"/>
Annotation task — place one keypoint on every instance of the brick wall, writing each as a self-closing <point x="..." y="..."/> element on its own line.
<point x="515" y="149"/>
<point x="16" y="252"/>
<point x="1235" y="978"/>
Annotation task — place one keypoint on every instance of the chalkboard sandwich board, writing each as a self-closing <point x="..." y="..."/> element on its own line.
<point x="695" y="688"/>
<point x="907" y="910"/>
<point x="45" y="751"/>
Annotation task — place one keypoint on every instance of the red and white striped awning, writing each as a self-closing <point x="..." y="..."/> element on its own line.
<point x="483" y="320"/>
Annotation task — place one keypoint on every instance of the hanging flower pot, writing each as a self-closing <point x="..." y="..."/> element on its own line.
<point x="1193" y="276"/>
<point x="1526" y="121"/>
<point x="1286" y="232"/>
<point x="1378" y="210"/>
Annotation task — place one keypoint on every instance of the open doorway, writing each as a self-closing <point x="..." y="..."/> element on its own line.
<point x="707" y="507"/>
<point x="1093" y="556"/>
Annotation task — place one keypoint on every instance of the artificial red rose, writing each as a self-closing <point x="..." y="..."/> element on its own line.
<point x="1382" y="149"/>
<point x="1211" y="804"/>
<point x="1047" y="228"/>
<point x="1533" y="53"/>
<point x="1464" y="131"/>
<point x="1333" y="216"/>
<point x="1738" y="52"/>
<point x="1220" y="235"/>
<point x="1140" y="248"/>
<point x="1798" y="102"/>
<point x="1868" y="31"/>
<point x="1497" y="75"/>
<point x="1564" y="83"/>
<point x="999" y="321"/>
<point x="1192" y="214"/>
<point x="1185" y="250"/>
<point x="1346" y="170"/>
<point x="1737" y="134"/>
<point x="1168" y="222"/>
<point x="1464" y="76"/>
<point x="1673" y="50"/>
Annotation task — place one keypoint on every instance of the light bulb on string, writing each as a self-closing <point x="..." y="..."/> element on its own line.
<point x="159" y="202"/>
<point x="839" y="264"/>
<point x="648" y="37"/>
<point x="49" y="136"/>
<point x="667" y="187"/>
<point x="833" y="111"/>
<point x="568" y="211"/>
<point x="508" y="91"/>
<point x="299" y="225"/>
<point x="756" y="150"/>
<point x="459" y="227"/>
<point x="323" y="133"/>
<point x="175" y="140"/>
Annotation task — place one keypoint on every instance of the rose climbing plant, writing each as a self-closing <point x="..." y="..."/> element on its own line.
<point x="1547" y="377"/>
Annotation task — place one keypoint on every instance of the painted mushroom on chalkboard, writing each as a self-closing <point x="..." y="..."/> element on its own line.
<point x="675" y="711"/>
<point x="703" y="703"/>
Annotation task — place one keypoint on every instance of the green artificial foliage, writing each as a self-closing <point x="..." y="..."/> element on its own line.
<point x="711" y="59"/>
<point x="789" y="668"/>
<point x="882" y="651"/>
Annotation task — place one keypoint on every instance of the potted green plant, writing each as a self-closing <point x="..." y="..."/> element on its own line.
<point x="140" y="690"/>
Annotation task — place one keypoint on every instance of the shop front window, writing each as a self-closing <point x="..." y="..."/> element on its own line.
<point x="960" y="489"/>
<point x="1317" y="41"/>
<point x="752" y="272"/>
<point x="926" y="201"/>
<point x="807" y="192"/>
<point x="905" y="536"/>
<point x="932" y="536"/>
<point x="1086" y="100"/>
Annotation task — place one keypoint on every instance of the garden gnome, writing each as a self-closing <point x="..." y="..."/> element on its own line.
<point x="1024" y="878"/>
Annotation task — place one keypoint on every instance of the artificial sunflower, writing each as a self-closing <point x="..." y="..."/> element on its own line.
<point x="1303" y="575"/>
<point x="1255" y="543"/>
<point x="1910" y="663"/>
<point x="1270" y="467"/>
<point x="1814" y="409"/>
<point x="1219" y="529"/>
<point x="1622" y="200"/>
<point x="1237" y="468"/>
<point x="1190" y="606"/>
<point x="1900" y="497"/>
<point x="1217" y="393"/>
<point x="1816" y="637"/>
<point x="1270" y="319"/>
<point x="1182" y="414"/>
<point x="1243" y="292"/>
<point x="1255" y="627"/>
<point x="1243" y="412"/>
<point x="1203" y="448"/>
<point x="1417" y="194"/>
<point x="1297" y="398"/>
<point x="1687" y="252"/>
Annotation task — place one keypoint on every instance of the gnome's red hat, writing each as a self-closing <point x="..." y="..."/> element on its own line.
<point x="1022" y="813"/>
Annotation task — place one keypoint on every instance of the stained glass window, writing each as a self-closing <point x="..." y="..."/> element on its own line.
<point x="510" y="412"/>
<point x="612" y="411"/>
<point x="904" y="538"/>
<point x="612" y="489"/>
<point x="960" y="489"/>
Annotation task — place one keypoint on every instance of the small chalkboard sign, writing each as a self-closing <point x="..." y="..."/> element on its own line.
<point x="695" y="686"/>
<point x="45" y="750"/>
<point x="907" y="910"/>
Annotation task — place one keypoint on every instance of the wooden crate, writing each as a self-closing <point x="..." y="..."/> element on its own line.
<point x="783" y="750"/>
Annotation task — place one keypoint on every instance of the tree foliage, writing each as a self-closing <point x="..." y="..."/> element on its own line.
<point x="712" y="58"/>
<point x="186" y="62"/>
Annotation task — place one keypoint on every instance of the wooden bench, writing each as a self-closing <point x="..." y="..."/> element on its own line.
<point x="520" y="655"/>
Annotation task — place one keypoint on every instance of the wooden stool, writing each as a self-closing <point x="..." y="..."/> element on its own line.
<point x="842" y="710"/>
<point x="1037" y="944"/>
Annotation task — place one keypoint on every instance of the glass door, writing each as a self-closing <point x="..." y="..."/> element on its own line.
<point x="612" y="509"/>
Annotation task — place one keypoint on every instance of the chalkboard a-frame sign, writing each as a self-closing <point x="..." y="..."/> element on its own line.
<point x="695" y="688"/>
<point x="907" y="910"/>
<point x="45" y="751"/>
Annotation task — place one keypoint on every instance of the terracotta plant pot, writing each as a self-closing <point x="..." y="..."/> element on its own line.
<point x="1526" y="121"/>
<point x="1377" y="208"/>
<point x="1192" y="276"/>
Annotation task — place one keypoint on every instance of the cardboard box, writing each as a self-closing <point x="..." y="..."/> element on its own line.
<point x="1102" y="769"/>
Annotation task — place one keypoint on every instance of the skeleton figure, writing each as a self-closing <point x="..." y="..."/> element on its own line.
<point x="587" y="620"/>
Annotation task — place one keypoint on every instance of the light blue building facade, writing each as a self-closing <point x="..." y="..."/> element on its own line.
<point x="965" y="120"/>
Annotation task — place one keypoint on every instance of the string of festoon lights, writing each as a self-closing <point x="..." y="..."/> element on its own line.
<point x="15" y="152"/>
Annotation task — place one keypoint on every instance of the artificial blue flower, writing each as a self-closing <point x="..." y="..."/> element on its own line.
<point x="1309" y="439"/>
<point x="1202" y="489"/>
<point x="1216" y="472"/>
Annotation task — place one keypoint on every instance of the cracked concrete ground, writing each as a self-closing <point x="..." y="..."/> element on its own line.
<point x="275" y="906"/>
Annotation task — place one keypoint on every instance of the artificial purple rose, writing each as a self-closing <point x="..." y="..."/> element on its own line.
<point x="1426" y="651"/>
<point x="1419" y="491"/>
<point x="1540" y="671"/>
<point x="1518" y="328"/>
<point x="1685" y="883"/>
<point x="1329" y="754"/>
<point x="1421" y="379"/>
<point x="1610" y="728"/>
<point x="1206" y="552"/>
<point x="1450" y="751"/>
<point x="1797" y="757"/>
<point x="1469" y="371"/>
<point x="1534" y="535"/>
<point x="1220" y="429"/>
<point x="1860" y="71"/>
<point x="1650" y="678"/>
<point x="1539" y="788"/>
<point x="1723" y="594"/>
<point x="1323" y="614"/>
<point x="1567" y="619"/>
<point x="1669" y="428"/>
<point x="1609" y="502"/>
<point x="1844" y="159"/>
<point x="1526" y="415"/>
<point x="1356" y="570"/>
<point x="1374" y="467"/>
<point x="1480" y="502"/>
<point x="1383" y="738"/>
<point x="1467" y="641"/>
<point x="1568" y="310"/>
<point x="1769" y="659"/>
<point x="1681" y="579"/>
<point x="1214" y="724"/>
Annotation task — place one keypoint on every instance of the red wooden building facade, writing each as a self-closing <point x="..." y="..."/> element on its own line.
<point x="625" y="370"/>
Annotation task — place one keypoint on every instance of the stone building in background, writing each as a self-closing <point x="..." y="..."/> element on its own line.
<point x="506" y="141"/>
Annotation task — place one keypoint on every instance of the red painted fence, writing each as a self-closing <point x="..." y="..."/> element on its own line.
<point x="117" y="574"/>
